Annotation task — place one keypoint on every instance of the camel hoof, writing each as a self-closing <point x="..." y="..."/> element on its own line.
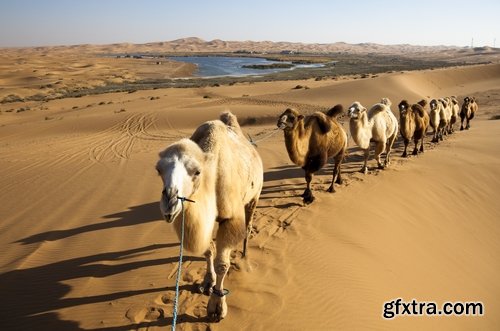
<point x="364" y="170"/>
<point x="382" y="166"/>
<point x="216" y="308"/>
<point x="415" y="152"/>
<point x="422" y="149"/>
<point x="404" y="154"/>
<point x="308" y="198"/>
<point x="331" y="189"/>
<point x="339" y="181"/>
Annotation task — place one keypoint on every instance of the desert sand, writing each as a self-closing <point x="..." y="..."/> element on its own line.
<point x="84" y="246"/>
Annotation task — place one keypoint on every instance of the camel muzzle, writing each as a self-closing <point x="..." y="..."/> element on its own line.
<point x="170" y="204"/>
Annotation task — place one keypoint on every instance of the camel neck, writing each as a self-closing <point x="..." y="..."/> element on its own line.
<point x="297" y="142"/>
<point x="361" y="130"/>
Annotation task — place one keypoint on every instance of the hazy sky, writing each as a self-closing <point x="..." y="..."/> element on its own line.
<point x="421" y="22"/>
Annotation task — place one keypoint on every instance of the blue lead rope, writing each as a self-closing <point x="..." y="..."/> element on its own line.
<point x="176" y="300"/>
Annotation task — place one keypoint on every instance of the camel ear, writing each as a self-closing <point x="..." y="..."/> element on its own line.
<point x="364" y="109"/>
<point x="300" y="117"/>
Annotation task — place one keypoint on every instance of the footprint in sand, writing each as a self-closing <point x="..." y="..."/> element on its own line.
<point x="145" y="314"/>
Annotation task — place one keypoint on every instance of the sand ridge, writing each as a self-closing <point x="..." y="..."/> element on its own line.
<point x="84" y="246"/>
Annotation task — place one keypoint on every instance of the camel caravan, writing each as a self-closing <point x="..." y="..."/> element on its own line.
<point x="216" y="176"/>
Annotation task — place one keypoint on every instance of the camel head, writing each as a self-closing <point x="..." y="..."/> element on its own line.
<point x="289" y="119"/>
<point x="386" y="102"/>
<point x="404" y="107"/>
<point x="356" y="110"/>
<point x="179" y="168"/>
<point x="434" y="104"/>
<point x="444" y="102"/>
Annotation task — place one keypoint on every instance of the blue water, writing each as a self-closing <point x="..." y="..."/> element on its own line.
<point x="210" y="66"/>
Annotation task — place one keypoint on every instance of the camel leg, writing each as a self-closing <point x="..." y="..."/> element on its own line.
<point x="388" y="147"/>
<point x="339" y="159"/>
<point x="217" y="306"/>
<point x="209" y="279"/>
<point x="406" y="142"/>
<point x="336" y="174"/>
<point x="230" y="233"/>
<point x="435" y="138"/>
<point x="379" y="148"/>
<point x="422" y="144"/>
<point x="308" y="196"/>
<point x="415" y="150"/>
<point x="249" y="211"/>
<point x="364" y="168"/>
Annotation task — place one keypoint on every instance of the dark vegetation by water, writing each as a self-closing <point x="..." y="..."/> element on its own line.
<point x="269" y="66"/>
<point x="341" y="64"/>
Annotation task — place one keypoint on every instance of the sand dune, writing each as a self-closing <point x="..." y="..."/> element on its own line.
<point x="83" y="245"/>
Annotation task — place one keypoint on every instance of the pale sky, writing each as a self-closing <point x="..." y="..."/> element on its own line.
<point x="421" y="22"/>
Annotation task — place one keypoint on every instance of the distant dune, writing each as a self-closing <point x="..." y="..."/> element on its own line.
<point x="194" y="44"/>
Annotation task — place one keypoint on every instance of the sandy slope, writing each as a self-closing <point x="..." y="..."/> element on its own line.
<point x="83" y="246"/>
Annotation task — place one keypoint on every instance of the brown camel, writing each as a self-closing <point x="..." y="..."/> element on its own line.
<point x="312" y="140"/>
<point x="414" y="121"/>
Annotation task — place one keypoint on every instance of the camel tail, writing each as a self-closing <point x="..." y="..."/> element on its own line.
<point x="230" y="120"/>
<point x="335" y="111"/>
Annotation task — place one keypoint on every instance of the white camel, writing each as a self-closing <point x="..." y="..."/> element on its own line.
<point x="379" y="125"/>
<point x="222" y="172"/>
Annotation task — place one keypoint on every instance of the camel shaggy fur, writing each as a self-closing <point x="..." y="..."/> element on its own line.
<point x="414" y="121"/>
<point x="312" y="140"/>
<point x="222" y="172"/>
<point x="378" y="125"/>
<point x="469" y="108"/>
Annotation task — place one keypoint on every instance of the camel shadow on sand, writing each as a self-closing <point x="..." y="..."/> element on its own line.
<point x="135" y="215"/>
<point x="29" y="295"/>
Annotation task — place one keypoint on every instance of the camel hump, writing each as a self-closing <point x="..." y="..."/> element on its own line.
<point x="335" y="111"/>
<point x="377" y="108"/>
<point x="230" y="120"/>
<point x="422" y="103"/>
<point x="418" y="109"/>
<point x="324" y="123"/>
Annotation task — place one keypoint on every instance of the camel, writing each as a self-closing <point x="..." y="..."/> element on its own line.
<point x="455" y="109"/>
<point x="414" y="121"/>
<point x="445" y="116"/>
<point x="310" y="141"/>
<point x="378" y="125"/>
<point x="222" y="173"/>
<point x="435" y="119"/>
<point x="469" y="108"/>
